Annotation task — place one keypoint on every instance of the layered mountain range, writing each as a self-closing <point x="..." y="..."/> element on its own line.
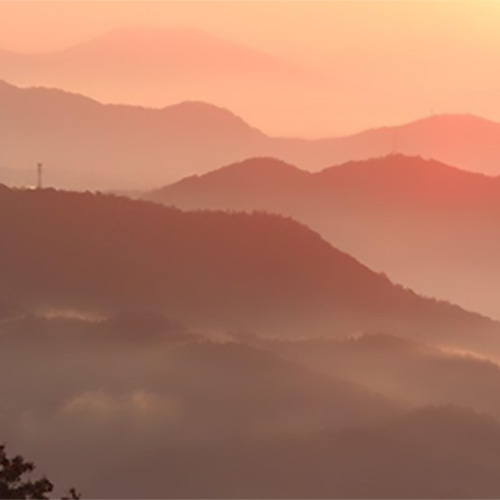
<point x="427" y="225"/>
<point x="87" y="145"/>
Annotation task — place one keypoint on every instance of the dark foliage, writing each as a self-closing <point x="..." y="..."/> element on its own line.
<point x="15" y="480"/>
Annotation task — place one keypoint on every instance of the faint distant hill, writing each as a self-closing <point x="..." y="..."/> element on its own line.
<point x="177" y="53"/>
<point x="156" y="66"/>
<point x="88" y="145"/>
<point x="465" y="141"/>
<point x="428" y="225"/>
<point x="208" y="269"/>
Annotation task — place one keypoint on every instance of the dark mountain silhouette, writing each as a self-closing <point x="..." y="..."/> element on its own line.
<point x="142" y="391"/>
<point x="428" y="225"/>
<point x="108" y="389"/>
<point x="100" y="253"/>
<point x="228" y="420"/>
<point x="430" y="453"/>
<point x="87" y="145"/>
<point x="224" y="388"/>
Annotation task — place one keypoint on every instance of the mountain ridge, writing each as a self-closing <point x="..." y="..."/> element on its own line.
<point x="89" y="145"/>
<point x="259" y="271"/>
<point x="424" y="223"/>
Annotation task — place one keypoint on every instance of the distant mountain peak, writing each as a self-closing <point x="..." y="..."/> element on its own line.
<point x="255" y="171"/>
<point x="182" y="47"/>
<point x="455" y="117"/>
<point x="403" y="163"/>
<point x="201" y="111"/>
<point x="262" y="169"/>
<point x="156" y="34"/>
<point x="264" y="163"/>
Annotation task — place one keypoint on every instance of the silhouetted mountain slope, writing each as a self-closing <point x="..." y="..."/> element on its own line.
<point x="225" y="420"/>
<point x="428" y="225"/>
<point x="224" y="389"/>
<point x="418" y="373"/>
<point x="245" y="390"/>
<point x="253" y="184"/>
<point x="213" y="269"/>
<point x="87" y="145"/>
<point x="108" y="389"/>
<point x="420" y="183"/>
<point x="429" y="453"/>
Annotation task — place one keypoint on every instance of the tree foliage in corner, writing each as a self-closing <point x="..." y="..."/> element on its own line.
<point x="13" y="481"/>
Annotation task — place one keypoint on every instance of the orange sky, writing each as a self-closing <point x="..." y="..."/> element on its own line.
<point x="389" y="61"/>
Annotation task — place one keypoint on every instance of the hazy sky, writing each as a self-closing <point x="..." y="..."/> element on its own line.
<point x="390" y="61"/>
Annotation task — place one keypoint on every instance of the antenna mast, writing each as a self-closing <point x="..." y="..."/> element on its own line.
<point x="39" y="170"/>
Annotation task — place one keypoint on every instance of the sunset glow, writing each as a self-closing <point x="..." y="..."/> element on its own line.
<point x="249" y="249"/>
